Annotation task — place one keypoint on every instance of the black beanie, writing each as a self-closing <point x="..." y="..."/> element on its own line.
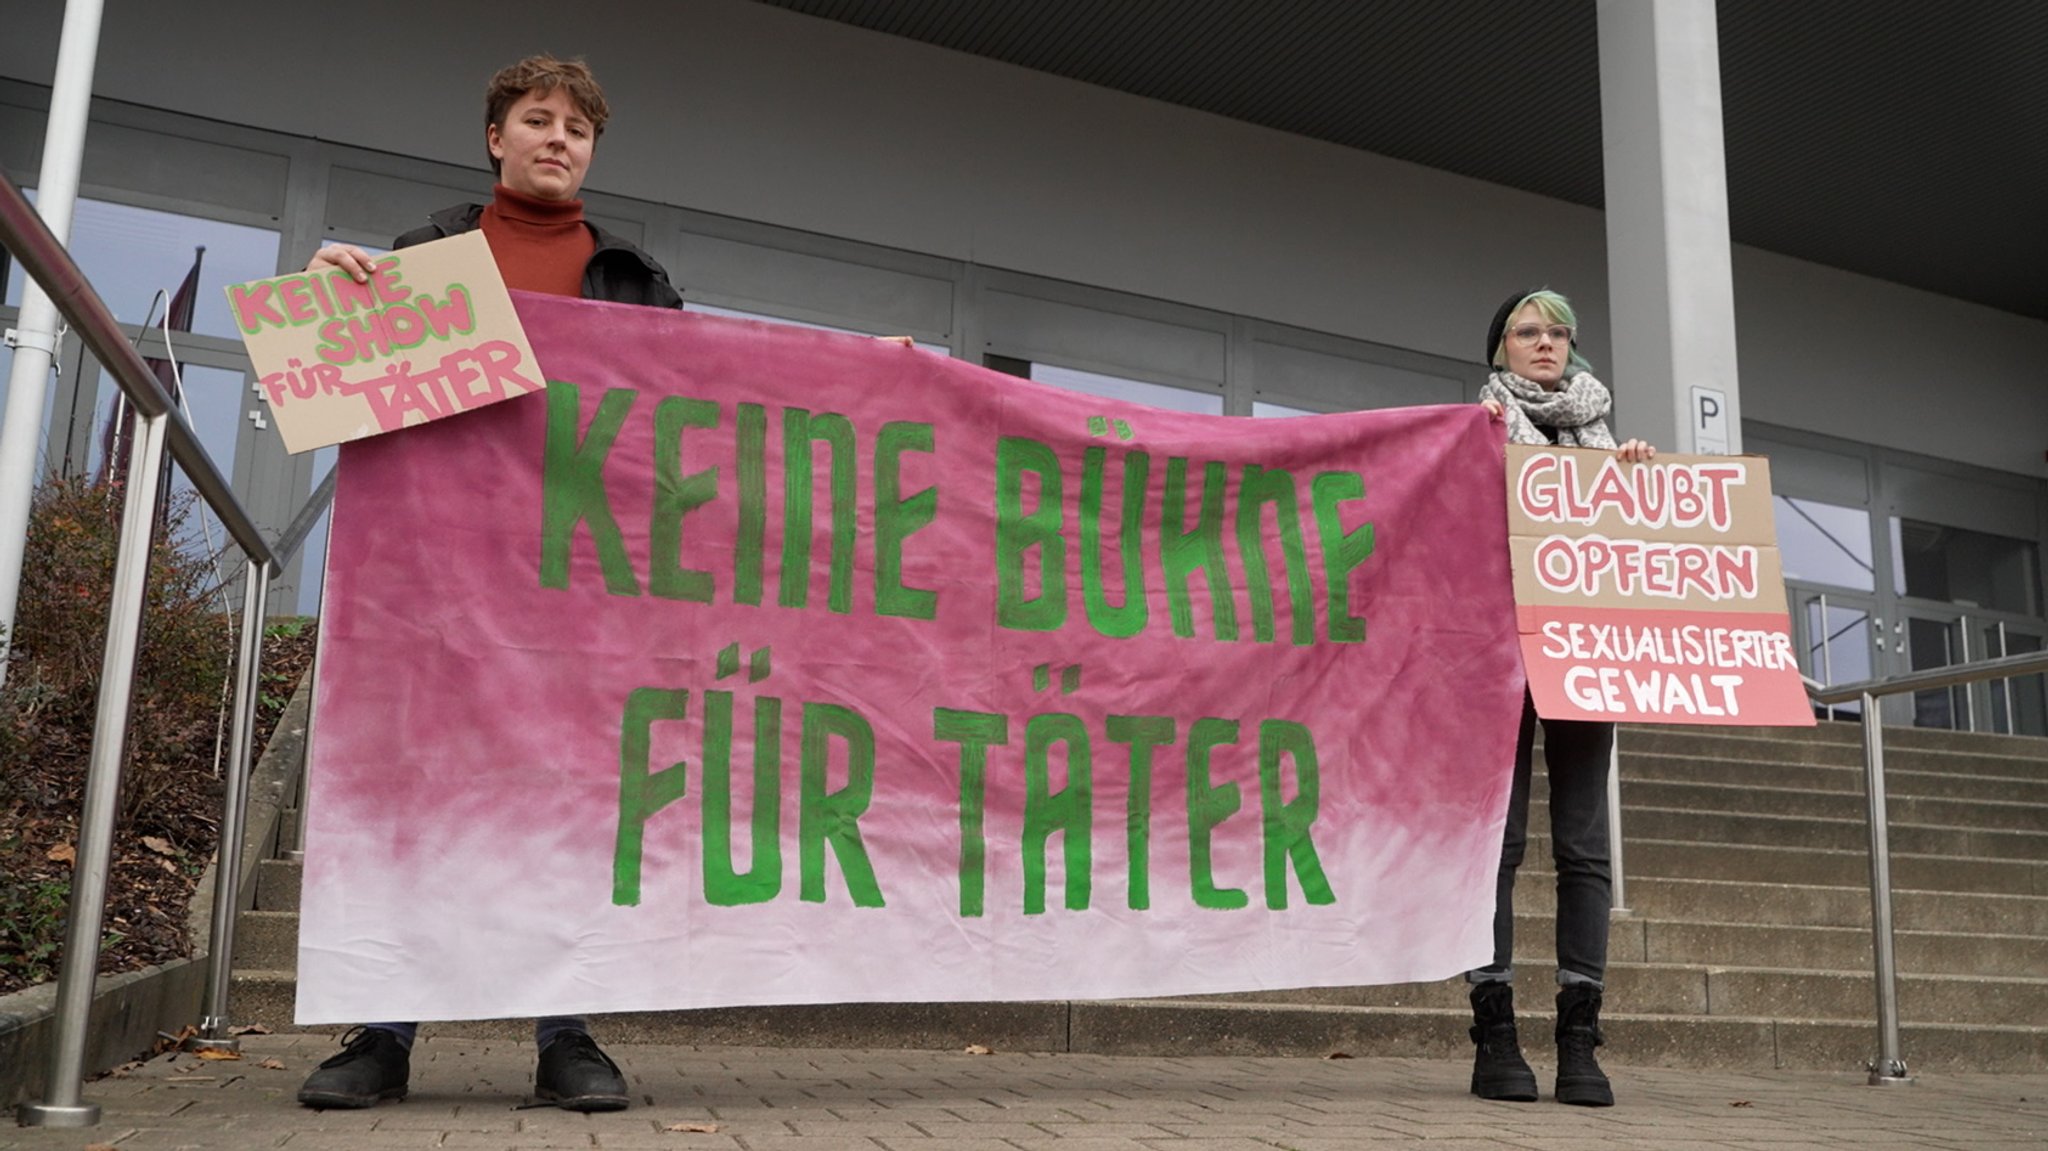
<point x="1499" y="327"/>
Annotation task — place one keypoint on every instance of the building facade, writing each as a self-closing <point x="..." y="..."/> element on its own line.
<point x="793" y="167"/>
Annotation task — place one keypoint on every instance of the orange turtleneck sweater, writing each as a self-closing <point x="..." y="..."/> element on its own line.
<point x="540" y="245"/>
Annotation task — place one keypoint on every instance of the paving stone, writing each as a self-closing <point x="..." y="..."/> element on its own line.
<point x="828" y="1100"/>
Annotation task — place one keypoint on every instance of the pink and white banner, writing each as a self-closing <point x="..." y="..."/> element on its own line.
<point x="755" y="665"/>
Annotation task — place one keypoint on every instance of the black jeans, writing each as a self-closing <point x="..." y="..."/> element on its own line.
<point x="1576" y="755"/>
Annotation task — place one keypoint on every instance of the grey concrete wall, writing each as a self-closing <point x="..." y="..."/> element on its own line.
<point x="749" y="111"/>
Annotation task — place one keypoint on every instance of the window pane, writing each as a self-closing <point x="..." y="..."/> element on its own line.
<point x="129" y="253"/>
<point x="1261" y="410"/>
<point x="1838" y="650"/>
<point x="1933" y="643"/>
<point x="2019" y="706"/>
<point x="1131" y="391"/>
<point x="1956" y="565"/>
<point x="735" y="313"/>
<point x="213" y="400"/>
<point x="2016" y="703"/>
<point x="1825" y="543"/>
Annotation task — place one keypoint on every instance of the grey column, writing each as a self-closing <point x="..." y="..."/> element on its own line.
<point x="1669" y="285"/>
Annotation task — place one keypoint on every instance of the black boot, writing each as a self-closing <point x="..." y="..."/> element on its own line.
<point x="1498" y="1069"/>
<point x="373" y="1066"/>
<point x="578" y="1076"/>
<point x="1579" y="1078"/>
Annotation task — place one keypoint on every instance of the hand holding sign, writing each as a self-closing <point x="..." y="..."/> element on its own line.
<point x="346" y="349"/>
<point x="1650" y="591"/>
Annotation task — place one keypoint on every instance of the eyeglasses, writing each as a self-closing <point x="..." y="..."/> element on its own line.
<point x="1526" y="335"/>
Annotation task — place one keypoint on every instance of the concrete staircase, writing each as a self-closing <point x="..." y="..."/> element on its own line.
<point x="1746" y="943"/>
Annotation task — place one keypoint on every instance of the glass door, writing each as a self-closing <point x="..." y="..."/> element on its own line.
<point x="1839" y="638"/>
<point x="1932" y="639"/>
<point x="2016" y="706"/>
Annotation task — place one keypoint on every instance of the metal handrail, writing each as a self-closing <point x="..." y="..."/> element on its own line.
<point x="295" y="533"/>
<point x="1954" y="675"/>
<point x="159" y="425"/>
<point x="23" y="233"/>
<point x="1889" y="1068"/>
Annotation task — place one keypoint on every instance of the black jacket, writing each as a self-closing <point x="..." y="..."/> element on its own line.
<point x="618" y="272"/>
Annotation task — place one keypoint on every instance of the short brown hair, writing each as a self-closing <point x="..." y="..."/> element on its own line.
<point x="543" y="74"/>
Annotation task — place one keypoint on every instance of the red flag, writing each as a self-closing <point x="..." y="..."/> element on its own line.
<point x="117" y="436"/>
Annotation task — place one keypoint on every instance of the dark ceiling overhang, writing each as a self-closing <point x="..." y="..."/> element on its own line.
<point x="1894" y="138"/>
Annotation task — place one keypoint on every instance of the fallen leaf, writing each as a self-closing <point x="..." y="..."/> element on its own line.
<point x="218" y="1054"/>
<point x="1742" y="1103"/>
<point x="978" y="1049"/>
<point x="272" y="1065"/>
<point x="62" y="853"/>
<point x="1338" y="1055"/>
<point x="249" y="1029"/>
<point x="159" y="844"/>
<point x="694" y="1128"/>
<point x="167" y="865"/>
<point x="99" y="1147"/>
<point x="165" y="1041"/>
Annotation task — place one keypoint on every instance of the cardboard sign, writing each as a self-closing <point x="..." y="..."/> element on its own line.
<point x="1651" y="592"/>
<point x="762" y="665"/>
<point x="432" y="333"/>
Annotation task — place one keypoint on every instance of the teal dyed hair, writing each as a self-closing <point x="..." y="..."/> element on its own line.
<point x="1556" y="310"/>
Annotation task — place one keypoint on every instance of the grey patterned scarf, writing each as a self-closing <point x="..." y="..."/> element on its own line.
<point x="1578" y="411"/>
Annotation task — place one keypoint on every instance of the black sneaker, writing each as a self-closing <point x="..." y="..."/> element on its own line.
<point x="373" y="1066"/>
<point x="578" y="1076"/>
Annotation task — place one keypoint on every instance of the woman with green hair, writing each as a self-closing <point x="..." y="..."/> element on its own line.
<point x="1546" y="393"/>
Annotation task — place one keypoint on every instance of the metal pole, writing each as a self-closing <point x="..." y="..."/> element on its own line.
<point x="227" y="871"/>
<point x="1969" y="689"/>
<point x="35" y="339"/>
<point x="1827" y="653"/>
<point x="61" y="1106"/>
<point x="1614" y="822"/>
<point x="1888" y="1069"/>
<point x="2005" y="685"/>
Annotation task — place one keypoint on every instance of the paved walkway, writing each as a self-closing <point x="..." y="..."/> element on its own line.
<point x="467" y="1094"/>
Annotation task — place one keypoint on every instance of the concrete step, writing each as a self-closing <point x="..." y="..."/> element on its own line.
<point x="1167" y="1027"/>
<point x="1689" y="989"/>
<point x="1730" y="901"/>
<point x="1945" y="999"/>
<point x="2019" y="759"/>
<point x="1826" y="804"/>
<point x="267" y="940"/>
<point x="1937" y="739"/>
<point x="1849" y="733"/>
<point x="1764" y="829"/>
<point x="1840" y="949"/>
<point x="1686" y="859"/>
<point x="1820" y="777"/>
<point x="1640" y="939"/>
<point x="277" y="884"/>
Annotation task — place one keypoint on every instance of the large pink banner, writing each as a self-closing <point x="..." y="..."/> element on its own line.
<point x="759" y="665"/>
